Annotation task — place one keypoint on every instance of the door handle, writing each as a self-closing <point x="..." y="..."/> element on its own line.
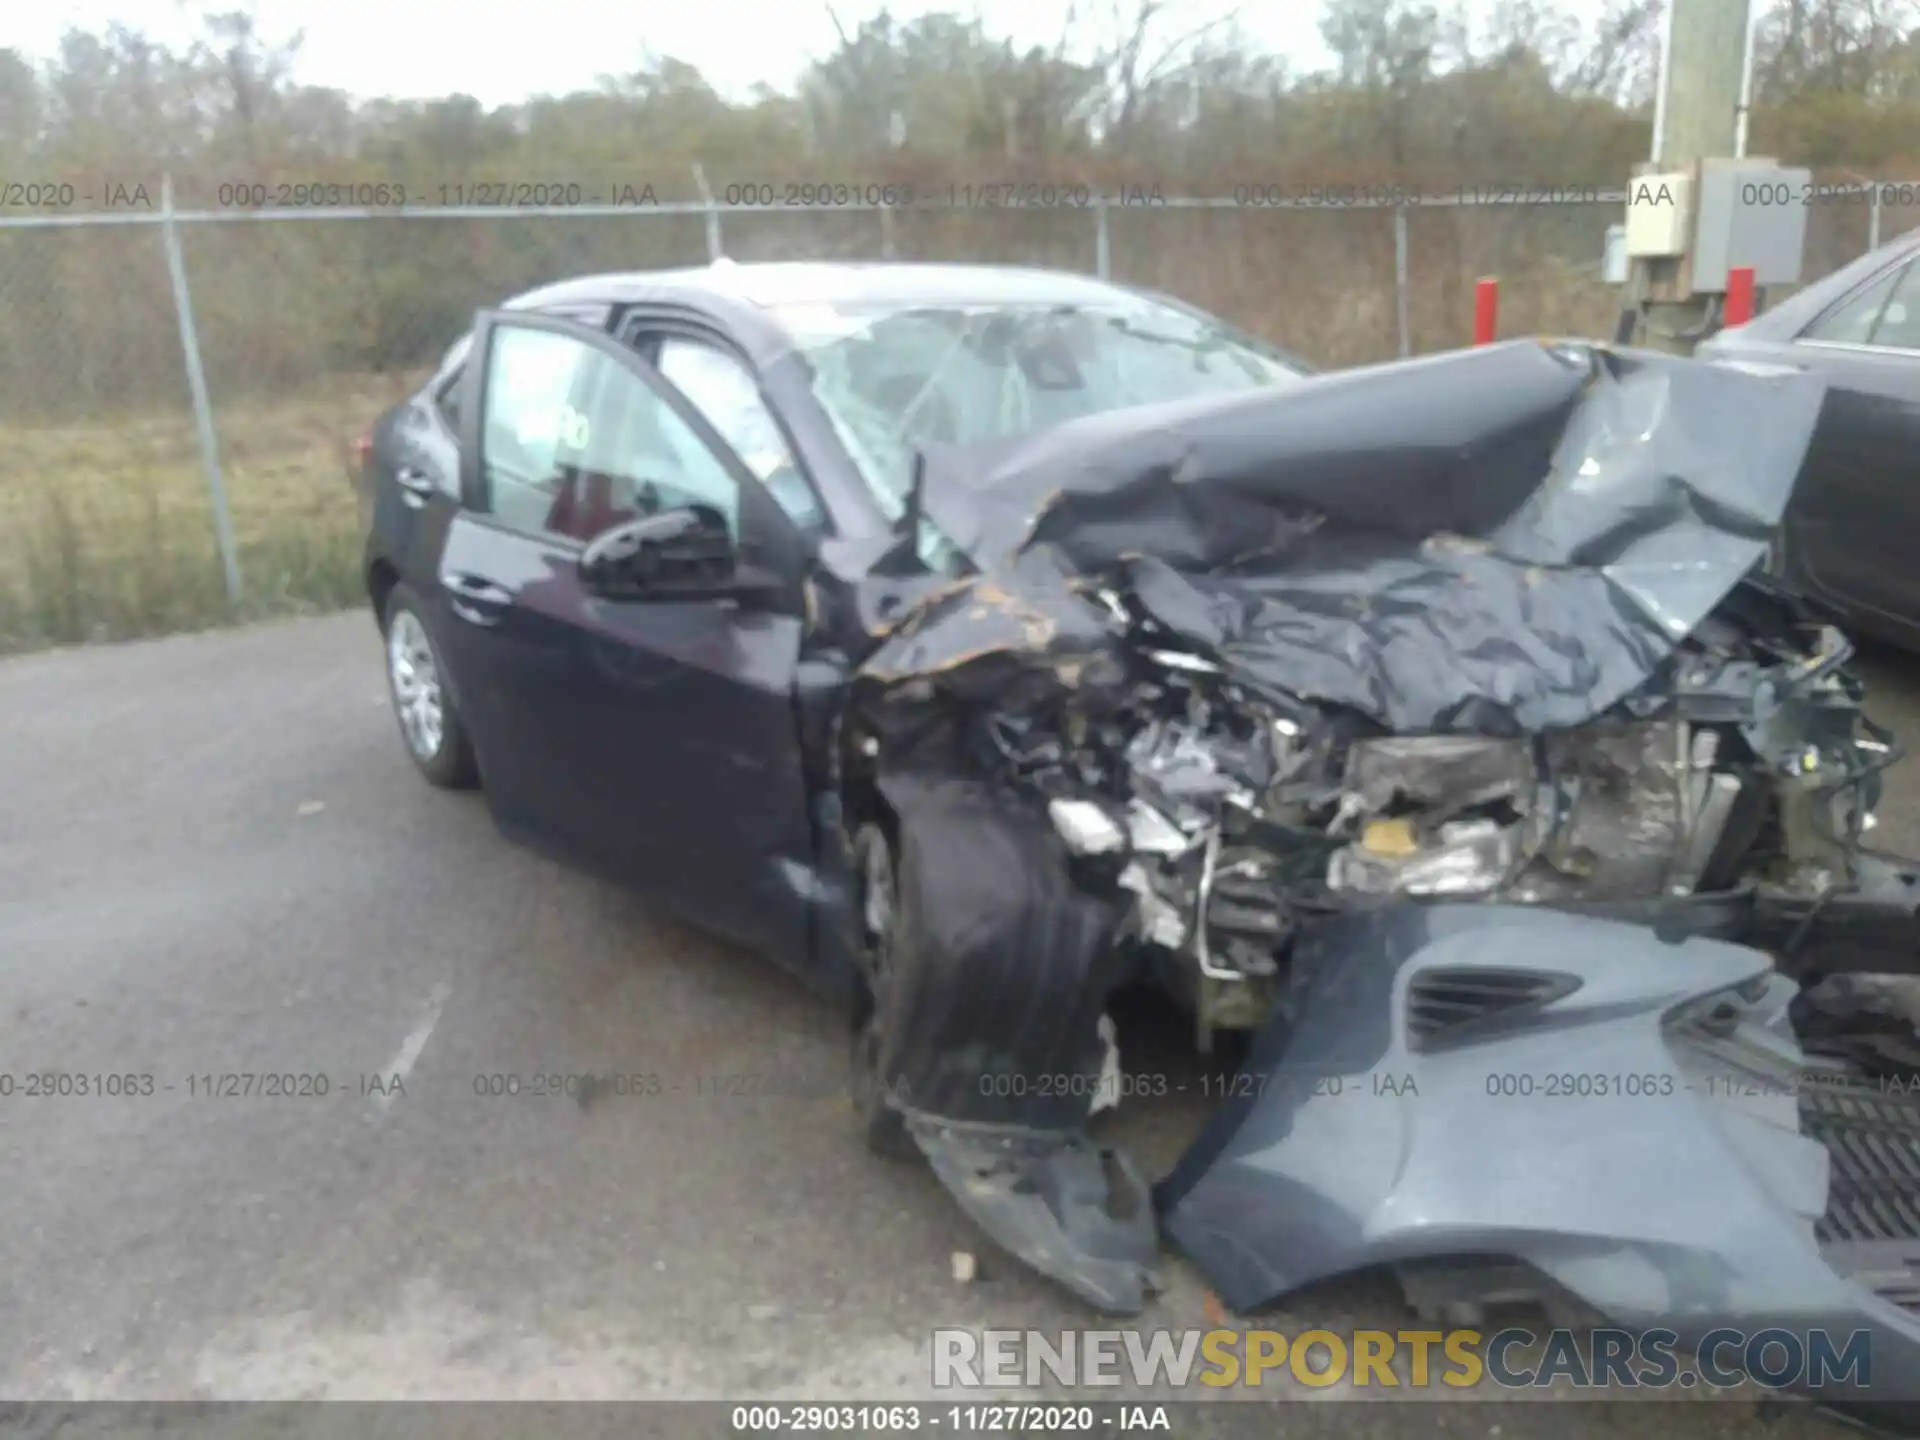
<point x="416" y="485"/>
<point x="477" y="601"/>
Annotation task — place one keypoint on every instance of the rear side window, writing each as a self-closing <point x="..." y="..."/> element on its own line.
<point x="1899" y="326"/>
<point x="1852" y="322"/>
<point x="444" y="389"/>
<point x="446" y="400"/>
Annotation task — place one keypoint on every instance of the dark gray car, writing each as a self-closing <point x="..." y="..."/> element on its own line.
<point x="993" y="642"/>
<point x="1848" y="537"/>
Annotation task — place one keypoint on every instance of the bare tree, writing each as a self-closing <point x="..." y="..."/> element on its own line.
<point x="1150" y="46"/>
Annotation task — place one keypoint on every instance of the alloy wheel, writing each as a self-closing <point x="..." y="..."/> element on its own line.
<point x="415" y="677"/>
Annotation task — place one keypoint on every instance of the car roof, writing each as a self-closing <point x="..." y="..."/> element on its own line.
<point x="749" y="295"/>
<point x="780" y="283"/>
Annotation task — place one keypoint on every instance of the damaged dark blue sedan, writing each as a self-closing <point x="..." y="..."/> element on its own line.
<point x="979" y="642"/>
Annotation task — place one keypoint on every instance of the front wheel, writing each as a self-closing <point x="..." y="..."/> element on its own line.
<point x="430" y="726"/>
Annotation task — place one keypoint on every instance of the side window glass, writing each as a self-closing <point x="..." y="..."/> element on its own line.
<point x="1899" y="325"/>
<point x="724" y="391"/>
<point x="1852" y="323"/>
<point x="447" y="401"/>
<point x="446" y="380"/>
<point x="573" y="442"/>
<point x="529" y="387"/>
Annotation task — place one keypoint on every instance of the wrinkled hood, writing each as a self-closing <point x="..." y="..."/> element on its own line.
<point x="1511" y="538"/>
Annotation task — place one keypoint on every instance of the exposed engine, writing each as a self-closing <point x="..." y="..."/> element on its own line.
<point x="1426" y="710"/>
<point x="1231" y="815"/>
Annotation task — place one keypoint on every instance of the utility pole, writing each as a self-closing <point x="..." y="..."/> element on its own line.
<point x="1700" y="114"/>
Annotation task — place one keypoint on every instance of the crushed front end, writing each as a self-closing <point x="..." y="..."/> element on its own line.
<point x="1430" y="716"/>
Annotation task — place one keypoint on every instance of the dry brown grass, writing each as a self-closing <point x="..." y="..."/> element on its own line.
<point x="106" y="531"/>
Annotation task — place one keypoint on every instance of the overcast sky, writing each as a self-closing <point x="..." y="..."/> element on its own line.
<point x="418" y="48"/>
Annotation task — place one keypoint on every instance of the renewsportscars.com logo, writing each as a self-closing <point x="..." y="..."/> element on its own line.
<point x="1513" y="1359"/>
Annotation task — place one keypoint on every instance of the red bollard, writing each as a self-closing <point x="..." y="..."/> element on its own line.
<point x="1739" y="306"/>
<point x="1486" y="309"/>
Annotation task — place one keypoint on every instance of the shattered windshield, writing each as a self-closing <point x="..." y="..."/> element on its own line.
<point x="892" y="377"/>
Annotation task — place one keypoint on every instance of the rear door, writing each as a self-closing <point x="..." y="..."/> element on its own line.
<point x="1857" y="508"/>
<point x="413" y="479"/>
<point x="654" y="741"/>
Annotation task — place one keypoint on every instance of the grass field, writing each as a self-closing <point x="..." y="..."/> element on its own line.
<point x="106" y="530"/>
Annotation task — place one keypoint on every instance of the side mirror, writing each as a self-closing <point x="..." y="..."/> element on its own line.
<point x="680" y="552"/>
<point x="686" y="553"/>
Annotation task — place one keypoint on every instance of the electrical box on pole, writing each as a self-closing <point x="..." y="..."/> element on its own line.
<point x="1749" y="214"/>
<point x="1689" y="227"/>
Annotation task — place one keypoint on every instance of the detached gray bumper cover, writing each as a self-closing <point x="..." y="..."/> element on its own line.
<point x="1432" y="1093"/>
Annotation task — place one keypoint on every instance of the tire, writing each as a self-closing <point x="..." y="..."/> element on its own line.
<point x="883" y="1128"/>
<point x="435" y="738"/>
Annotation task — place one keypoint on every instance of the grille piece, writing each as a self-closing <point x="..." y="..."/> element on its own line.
<point x="1872" y="1138"/>
<point x="1454" y="1004"/>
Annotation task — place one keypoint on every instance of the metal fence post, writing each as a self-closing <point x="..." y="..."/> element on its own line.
<point x="197" y="388"/>
<point x="1102" y="240"/>
<point x="714" y="248"/>
<point x="1400" y="280"/>
<point x="1873" y="219"/>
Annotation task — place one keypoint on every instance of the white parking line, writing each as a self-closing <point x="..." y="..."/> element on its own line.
<point x="411" y="1047"/>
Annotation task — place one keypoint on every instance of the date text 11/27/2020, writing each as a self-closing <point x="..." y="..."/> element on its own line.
<point x="994" y="1418"/>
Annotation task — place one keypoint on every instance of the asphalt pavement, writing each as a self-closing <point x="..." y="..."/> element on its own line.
<point x="215" y="862"/>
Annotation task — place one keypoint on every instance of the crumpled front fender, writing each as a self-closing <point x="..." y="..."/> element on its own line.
<point x="1619" y="1112"/>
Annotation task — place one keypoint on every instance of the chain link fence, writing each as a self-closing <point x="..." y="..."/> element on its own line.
<point x="179" y="390"/>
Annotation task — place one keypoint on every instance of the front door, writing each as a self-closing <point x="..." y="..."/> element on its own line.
<point x="652" y="740"/>
<point x="1854" y="513"/>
